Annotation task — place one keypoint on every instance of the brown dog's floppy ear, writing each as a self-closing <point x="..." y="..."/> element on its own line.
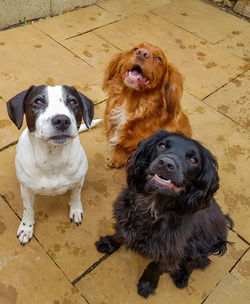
<point x="112" y="69"/>
<point x="88" y="109"/>
<point x="15" y="107"/>
<point x="171" y="91"/>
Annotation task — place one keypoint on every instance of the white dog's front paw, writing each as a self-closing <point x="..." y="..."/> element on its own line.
<point x="75" y="215"/>
<point x="25" y="232"/>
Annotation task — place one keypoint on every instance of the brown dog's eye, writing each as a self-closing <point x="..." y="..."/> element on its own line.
<point x="135" y="49"/>
<point x="158" y="58"/>
<point x="193" y="160"/>
<point x="162" y="147"/>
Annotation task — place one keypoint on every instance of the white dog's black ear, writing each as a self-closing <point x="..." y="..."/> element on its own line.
<point x="15" y="107"/>
<point x="88" y="109"/>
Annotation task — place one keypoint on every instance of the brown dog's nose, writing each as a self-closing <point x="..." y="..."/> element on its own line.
<point x="142" y="54"/>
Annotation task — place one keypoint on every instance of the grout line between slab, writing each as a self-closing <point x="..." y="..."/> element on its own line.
<point x="91" y="268"/>
<point x="107" y="41"/>
<point x="66" y="48"/>
<point x="206" y="97"/>
<point x="9" y="205"/>
<point x="9" y="145"/>
<point x="92" y="30"/>
<point x="237" y="262"/>
<point x="180" y="27"/>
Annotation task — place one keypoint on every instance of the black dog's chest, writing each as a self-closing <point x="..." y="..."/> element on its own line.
<point x="142" y="230"/>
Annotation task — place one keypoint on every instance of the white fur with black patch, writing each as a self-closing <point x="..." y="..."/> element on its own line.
<point x="46" y="168"/>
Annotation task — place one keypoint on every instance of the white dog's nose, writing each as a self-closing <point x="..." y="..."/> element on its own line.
<point x="61" y="122"/>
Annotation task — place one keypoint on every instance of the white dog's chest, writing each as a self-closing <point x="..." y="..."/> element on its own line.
<point x="51" y="172"/>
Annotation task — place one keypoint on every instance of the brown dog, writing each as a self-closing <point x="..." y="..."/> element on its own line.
<point x="144" y="93"/>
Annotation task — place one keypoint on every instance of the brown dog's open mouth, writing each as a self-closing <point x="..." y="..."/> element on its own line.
<point x="165" y="183"/>
<point x="135" y="75"/>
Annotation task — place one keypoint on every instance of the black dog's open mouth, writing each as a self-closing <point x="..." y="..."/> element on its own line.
<point x="59" y="139"/>
<point x="135" y="75"/>
<point x="167" y="183"/>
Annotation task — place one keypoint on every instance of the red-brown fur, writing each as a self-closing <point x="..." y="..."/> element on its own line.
<point x="146" y="108"/>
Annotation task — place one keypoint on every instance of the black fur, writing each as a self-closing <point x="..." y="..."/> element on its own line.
<point x="176" y="224"/>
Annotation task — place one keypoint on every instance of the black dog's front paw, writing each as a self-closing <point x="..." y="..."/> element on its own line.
<point x="181" y="279"/>
<point x="106" y="244"/>
<point x="145" y="288"/>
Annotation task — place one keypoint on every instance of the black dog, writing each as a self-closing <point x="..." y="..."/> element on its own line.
<point x="167" y="212"/>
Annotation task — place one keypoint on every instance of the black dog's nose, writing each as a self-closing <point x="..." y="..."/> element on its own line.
<point x="168" y="163"/>
<point x="61" y="122"/>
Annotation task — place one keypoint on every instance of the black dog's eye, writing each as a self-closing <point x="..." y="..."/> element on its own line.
<point x="72" y="101"/>
<point x="158" y="58"/>
<point x="162" y="147"/>
<point x="39" y="101"/>
<point x="193" y="160"/>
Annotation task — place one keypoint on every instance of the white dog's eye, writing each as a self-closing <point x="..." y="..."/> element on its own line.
<point x="72" y="101"/>
<point x="39" y="102"/>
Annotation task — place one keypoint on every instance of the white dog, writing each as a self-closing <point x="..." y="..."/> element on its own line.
<point x="50" y="159"/>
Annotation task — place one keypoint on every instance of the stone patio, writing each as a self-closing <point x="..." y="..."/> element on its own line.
<point x="211" y="49"/>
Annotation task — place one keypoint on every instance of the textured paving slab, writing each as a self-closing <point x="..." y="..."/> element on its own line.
<point x="242" y="270"/>
<point x="76" y="22"/>
<point x="229" y="290"/>
<point x="231" y="145"/>
<point x="72" y="247"/>
<point x="28" y="272"/>
<point x="130" y="7"/>
<point x="27" y="56"/>
<point x="8" y="131"/>
<point x="195" y="16"/>
<point x="205" y="67"/>
<point x="123" y="270"/>
<point x="92" y="49"/>
<point x="233" y="100"/>
<point x="238" y="44"/>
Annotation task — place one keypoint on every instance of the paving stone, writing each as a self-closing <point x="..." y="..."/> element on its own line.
<point x="204" y="66"/>
<point x="8" y="131"/>
<point x="242" y="270"/>
<point x="130" y="7"/>
<point x="72" y="247"/>
<point x="193" y="16"/>
<point x="76" y="22"/>
<point x="238" y="43"/>
<point x="233" y="100"/>
<point x="28" y="56"/>
<point x="28" y="272"/>
<point x="230" y="291"/>
<point x="123" y="270"/>
<point x="92" y="49"/>
<point x="230" y="143"/>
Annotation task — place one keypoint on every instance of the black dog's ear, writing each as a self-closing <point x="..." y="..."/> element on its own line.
<point x="199" y="194"/>
<point x="15" y="107"/>
<point x="88" y="109"/>
<point x="138" y="163"/>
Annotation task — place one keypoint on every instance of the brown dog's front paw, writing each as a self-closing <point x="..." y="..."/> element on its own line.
<point x="115" y="164"/>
